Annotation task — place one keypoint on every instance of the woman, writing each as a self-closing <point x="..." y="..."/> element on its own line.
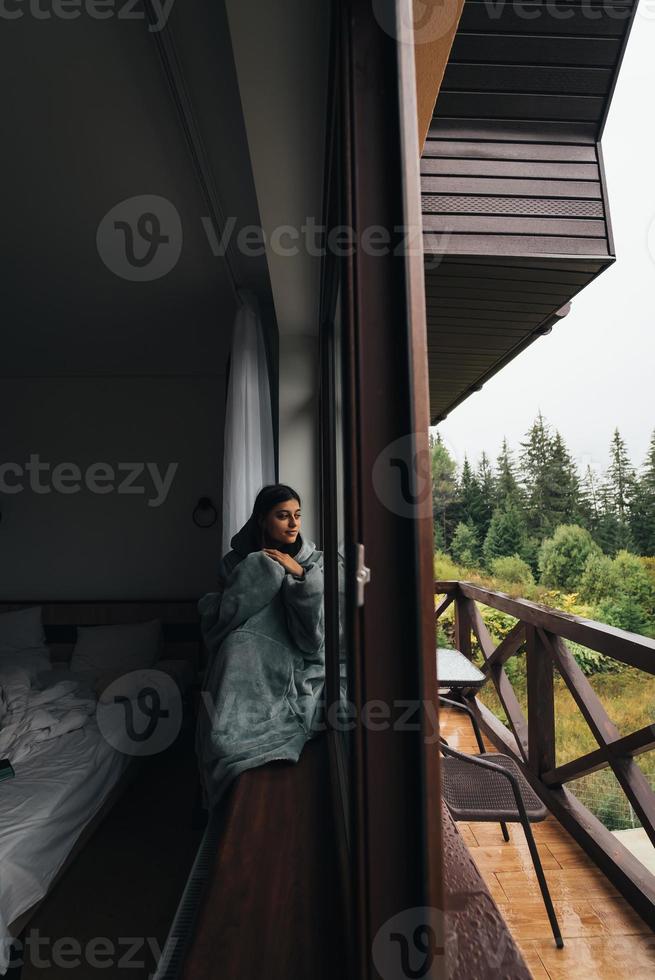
<point x="264" y="632"/>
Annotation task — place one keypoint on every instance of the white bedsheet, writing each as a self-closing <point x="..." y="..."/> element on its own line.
<point x="63" y="777"/>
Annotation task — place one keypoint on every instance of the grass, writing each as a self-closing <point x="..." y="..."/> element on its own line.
<point x="629" y="699"/>
<point x="445" y="569"/>
<point x="627" y="696"/>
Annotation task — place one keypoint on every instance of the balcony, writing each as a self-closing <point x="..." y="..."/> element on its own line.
<point x="603" y="893"/>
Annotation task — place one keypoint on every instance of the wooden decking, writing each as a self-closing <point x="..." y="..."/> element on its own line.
<point x="604" y="938"/>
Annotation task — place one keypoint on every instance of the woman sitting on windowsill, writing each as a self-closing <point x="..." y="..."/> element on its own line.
<point x="265" y="635"/>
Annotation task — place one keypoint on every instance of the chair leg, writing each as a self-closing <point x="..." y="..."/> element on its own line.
<point x="541" y="877"/>
<point x="476" y="731"/>
<point x="457" y="696"/>
<point x="481" y="747"/>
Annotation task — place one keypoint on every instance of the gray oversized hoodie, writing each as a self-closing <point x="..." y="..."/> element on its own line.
<point x="263" y="687"/>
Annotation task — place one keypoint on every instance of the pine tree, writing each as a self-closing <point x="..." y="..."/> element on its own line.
<point x="487" y="485"/>
<point x="444" y="486"/>
<point x="642" y="516"/>
<point x="507" y="485"/>
<point x="506" y="535"/>
<point x="589" y="500"/>
<point x="608" y="530"/>
<point x="469" y="496"/>
<point x="535" y="458"/>
<point x="564" y="484"/>
<point x="621" y="485"/>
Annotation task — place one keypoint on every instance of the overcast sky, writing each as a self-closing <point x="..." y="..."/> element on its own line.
<point x="595" y="371"/>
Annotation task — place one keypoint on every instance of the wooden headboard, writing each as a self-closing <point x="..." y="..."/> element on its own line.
<point x="179" y="618"/>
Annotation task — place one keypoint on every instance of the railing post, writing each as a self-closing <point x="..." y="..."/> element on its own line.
<point x="462" y="625"/>
<point x="541" y="704"/>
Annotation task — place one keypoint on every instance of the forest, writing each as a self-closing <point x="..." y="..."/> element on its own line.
<point x="532" y="524"/>
<point x="531" y="519"/>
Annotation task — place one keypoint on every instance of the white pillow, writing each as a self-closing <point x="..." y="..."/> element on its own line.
<point x="116" y="649"/>
<point x="21" y="630"/>
<point x="22" y="641"/>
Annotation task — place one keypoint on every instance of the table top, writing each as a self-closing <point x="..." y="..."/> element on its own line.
<point x="456" y="670"/>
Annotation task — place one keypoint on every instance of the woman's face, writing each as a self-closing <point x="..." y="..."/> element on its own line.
<point x="282" y="523"/>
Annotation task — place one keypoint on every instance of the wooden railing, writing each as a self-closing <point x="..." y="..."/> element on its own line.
<point x="542" y="633"/>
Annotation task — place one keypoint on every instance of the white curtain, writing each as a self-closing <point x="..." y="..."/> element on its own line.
<point x="249" y="459"/>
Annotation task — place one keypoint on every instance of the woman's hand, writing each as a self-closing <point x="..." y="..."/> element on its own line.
<point x="288" y="563"/>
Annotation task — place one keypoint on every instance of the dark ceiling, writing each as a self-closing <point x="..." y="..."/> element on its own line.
<point x="90" y="122"/>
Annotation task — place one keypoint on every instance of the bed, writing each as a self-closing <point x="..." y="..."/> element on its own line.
<point x="66" y="785"/>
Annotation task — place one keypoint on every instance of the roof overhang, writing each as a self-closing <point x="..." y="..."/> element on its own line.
<point x="514" y="198"/>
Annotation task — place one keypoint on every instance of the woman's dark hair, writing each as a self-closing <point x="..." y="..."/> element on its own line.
<point x="252" y="536"/>
<point x="270" y="496"/>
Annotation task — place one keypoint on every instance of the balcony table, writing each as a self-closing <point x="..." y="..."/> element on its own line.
<point x="456" y="672"/>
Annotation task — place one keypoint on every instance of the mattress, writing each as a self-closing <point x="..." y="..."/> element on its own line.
<point x="57" y="791"/>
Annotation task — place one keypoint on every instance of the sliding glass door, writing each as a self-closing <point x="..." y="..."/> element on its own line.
<point x="377" y="520"/>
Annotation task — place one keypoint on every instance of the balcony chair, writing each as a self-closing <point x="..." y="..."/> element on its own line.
<point x="490" y="788"/>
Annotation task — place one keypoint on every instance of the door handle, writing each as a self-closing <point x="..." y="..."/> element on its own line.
<point x="362" y="574"/>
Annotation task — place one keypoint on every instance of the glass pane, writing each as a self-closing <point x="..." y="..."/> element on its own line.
<point x="337" y="489"/>
<point x="341" y="489"/>
<point x="336" y="545"/>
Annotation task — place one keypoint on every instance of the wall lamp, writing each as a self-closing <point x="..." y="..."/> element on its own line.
<point x="205" y="513"/>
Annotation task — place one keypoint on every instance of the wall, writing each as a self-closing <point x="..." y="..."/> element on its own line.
<point x="281" y="53"/>
<point x="298" y="409"/>
<point x="90" y="545"/>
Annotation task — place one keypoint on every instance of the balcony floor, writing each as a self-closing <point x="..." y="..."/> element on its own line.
<point x="604" y="938"/>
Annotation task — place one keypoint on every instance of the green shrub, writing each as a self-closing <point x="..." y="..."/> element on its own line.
<point x="597" y="579"/>
<point x="625" y="613"/>
<point x="563" y="557"/>
<point x="445" y="569"/>
<point x="633" y="580"/>
<point x="498" y="623"/>
<point x="649" y="565"/>
<point x="568" y="602"/>
<point x="622" y="590"/>
<point x="444" y="634"/>
<point x="512" y="568"/>
<point x="530" y="554"/>
<point x="515" y="670"/>
<point x="465" y="547"/>
<point x="591" y="662"/>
